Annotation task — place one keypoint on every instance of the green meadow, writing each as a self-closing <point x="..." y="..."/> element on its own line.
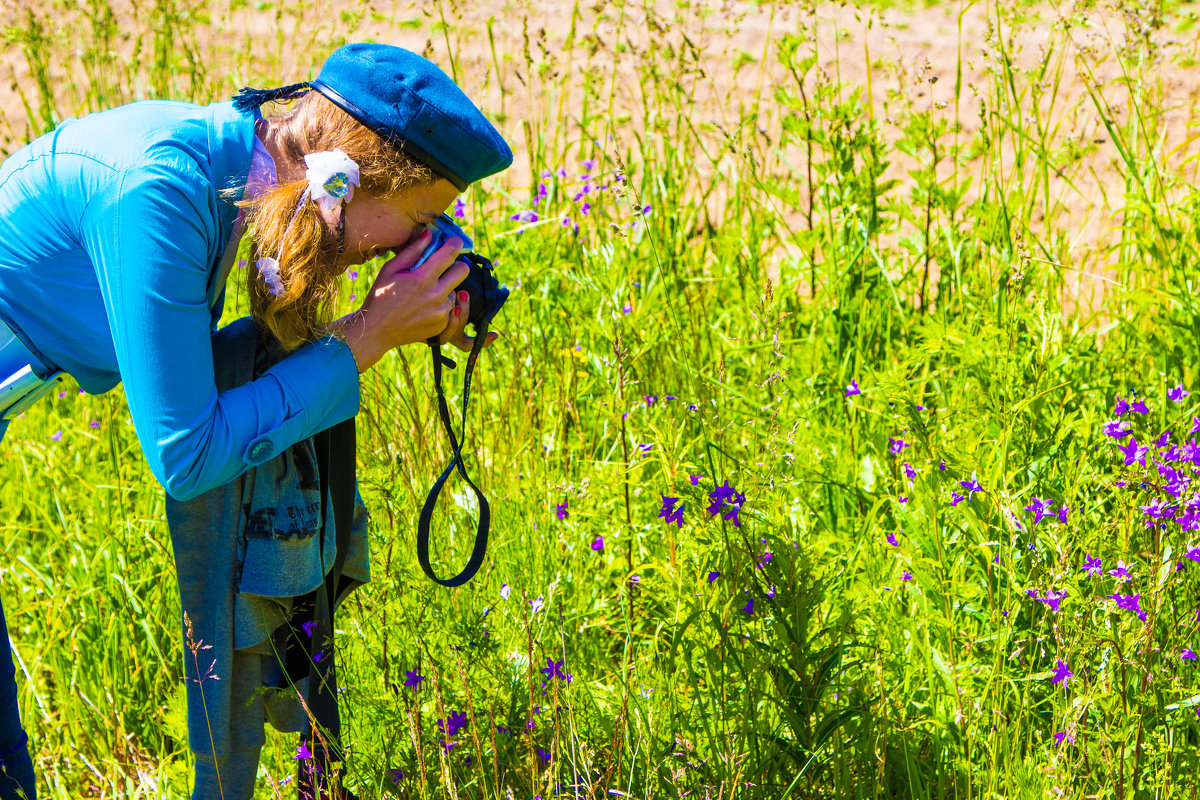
<point x="840" y="443"/>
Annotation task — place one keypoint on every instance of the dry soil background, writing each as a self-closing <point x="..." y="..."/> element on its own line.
<point x="514" y="55"/>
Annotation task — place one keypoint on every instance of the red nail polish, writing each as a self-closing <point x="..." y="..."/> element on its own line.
<point x="463" y="296"/>
<point x="457" y="311"/>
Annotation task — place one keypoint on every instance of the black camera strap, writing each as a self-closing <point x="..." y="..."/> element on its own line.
<point x="456" y="463"/>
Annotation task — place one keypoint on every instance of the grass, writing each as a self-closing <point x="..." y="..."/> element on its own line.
<point x="932" y="232"/>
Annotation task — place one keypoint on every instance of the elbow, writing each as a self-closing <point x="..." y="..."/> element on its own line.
<point x="186" y="474"/>
<point x="182" y="489"/>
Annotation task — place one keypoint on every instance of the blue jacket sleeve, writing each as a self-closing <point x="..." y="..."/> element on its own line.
<point x="151" y="235"/>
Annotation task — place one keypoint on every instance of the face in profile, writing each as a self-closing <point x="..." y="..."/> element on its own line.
<point x="375" y="226"/>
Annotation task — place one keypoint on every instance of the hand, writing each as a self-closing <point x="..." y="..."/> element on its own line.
<point x="404" y="307"/>
<point x="455" y="332"/>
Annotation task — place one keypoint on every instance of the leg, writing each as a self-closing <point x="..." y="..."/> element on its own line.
<point x="237" y="775"/>
<point x="16" y="767"/>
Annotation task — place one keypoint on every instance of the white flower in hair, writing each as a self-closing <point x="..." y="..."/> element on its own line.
<point x="269" y="269"/>
<point x="332" y="176"/>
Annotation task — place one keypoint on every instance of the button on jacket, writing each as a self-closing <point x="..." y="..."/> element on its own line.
<point x="112" y="232"/>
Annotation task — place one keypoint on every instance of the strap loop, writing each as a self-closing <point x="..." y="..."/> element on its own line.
<point x="456" y="463"/>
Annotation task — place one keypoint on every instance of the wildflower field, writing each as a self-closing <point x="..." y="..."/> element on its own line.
<point x="841" y="443"/>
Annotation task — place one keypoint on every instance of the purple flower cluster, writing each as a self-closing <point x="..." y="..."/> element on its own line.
<point x="1045" y="508"/>
<point x="1129" y="602"/>
<point x="726" y="498"/>
<point x="670" y="512"/>
<point x="1172" y="466"/>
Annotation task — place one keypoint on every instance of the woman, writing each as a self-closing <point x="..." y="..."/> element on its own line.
<point x="119" y="230"/>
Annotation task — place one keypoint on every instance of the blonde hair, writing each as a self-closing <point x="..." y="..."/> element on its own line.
<point x="306" y="247"/>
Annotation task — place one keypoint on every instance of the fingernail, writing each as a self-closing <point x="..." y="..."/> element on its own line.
<point x="463" y="296"/>
<point x="458" y="311"/>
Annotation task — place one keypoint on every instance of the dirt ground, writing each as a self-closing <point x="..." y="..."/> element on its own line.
<point x="511" y="54"/>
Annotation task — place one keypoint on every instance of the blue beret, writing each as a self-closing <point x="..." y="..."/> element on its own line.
<point x="410" y="102"/>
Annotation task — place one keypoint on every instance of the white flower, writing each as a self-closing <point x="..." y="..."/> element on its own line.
<point x="332" y="176"/>
<point x="269" y="269"/>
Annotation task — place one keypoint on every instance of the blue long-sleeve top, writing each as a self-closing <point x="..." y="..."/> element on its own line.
<point x="112" y="232"/>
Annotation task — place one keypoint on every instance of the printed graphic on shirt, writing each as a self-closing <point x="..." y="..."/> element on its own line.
<point x="285" y="502"/>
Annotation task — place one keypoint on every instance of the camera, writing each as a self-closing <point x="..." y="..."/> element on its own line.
<point x="484" y="290"/>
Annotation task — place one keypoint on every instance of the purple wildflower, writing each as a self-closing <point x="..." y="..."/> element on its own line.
<point x="1117" y="428"/>
<point x="1092" y="567"/>
<point x="412" y="679"/>
<point x="1053" y="599"/>
<point x="553" y="669"/>
<point x="1177" y="394"/>
<point x="1039" y="508"/>
<point x="853" y="389"/>
<point x="1133" y="453"/>
<point x="668" y="506"/>
<point x="1155" y="509"/>
<point x="971" y="486"/>
<point x="1129" y="602"/>
<point x="1061" y="672"/>
<point x="725" y="496"/>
